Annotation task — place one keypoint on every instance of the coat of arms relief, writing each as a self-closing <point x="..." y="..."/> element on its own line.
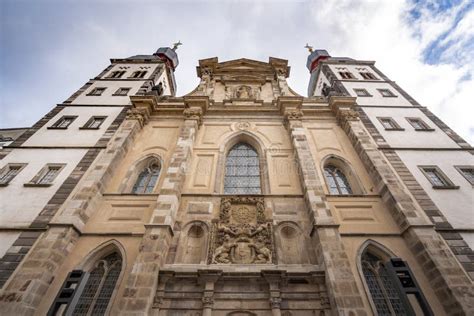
<point x="241" y="235"/>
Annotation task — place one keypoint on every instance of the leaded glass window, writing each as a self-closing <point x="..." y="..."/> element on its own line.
<point x="100" y="285"/>
<point x="337" y="181"/>
<point x="383" y="290"/>
<point x="147" y="179"/>
<point x="242" y="170"/>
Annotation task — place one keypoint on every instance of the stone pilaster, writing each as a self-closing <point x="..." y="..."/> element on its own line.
<point x="142" y="282"/>
<point x="344" y="295"/>
<point x="209" y="279"/>
<point x="452" y="286"/>
<point x="31" y="280"/>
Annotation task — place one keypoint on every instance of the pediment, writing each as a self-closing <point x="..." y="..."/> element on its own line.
<point x="242" y="66"/>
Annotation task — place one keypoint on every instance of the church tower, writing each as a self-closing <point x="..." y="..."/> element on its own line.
<point x="239" y="198"/>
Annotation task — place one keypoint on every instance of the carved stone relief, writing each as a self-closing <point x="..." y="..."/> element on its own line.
<point x="241" y="235"/>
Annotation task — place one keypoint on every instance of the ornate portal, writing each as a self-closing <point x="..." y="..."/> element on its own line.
<point x="241" y="234"/>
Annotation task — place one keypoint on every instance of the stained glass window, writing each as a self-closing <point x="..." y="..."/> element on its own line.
<point x="242" y="171"/>
<point x="383" y="290"/>
<point x="147" y="179"/>
<point x="337" y="181"/>
<point x="100" y="285"/>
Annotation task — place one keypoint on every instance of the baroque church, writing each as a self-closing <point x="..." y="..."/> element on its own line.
<point x="240" y="198"/>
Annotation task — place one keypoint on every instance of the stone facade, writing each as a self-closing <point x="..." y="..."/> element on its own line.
<point x="189" y="247"/>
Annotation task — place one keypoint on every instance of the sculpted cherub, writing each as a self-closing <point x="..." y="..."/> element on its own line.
<point x="221" y="254"/>
<point x="263" y="253"/>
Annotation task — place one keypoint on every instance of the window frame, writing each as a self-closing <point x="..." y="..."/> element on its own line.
<point x="139" y="74"/>
<point x="390" y="93"/>
<point x="346" y="75"/>
<point x="35" y="181"/>
<point x="119" y="91"/>
<point x="449" y="185"/>
<point x="144" y="164"/>
<point x="112" y="74"/>
<point x="426" y="127"/>
<point x="60" y="120"/>
<point x="93" y="92"/>
<point x="396" y="126"/>
<point x="5" y="169"/>
<point x="459" y="169"/>
<point x="89" y="122"/>
<point x="260" y="169"/>
<point x="367" y="75"/>
<point x="367" y="95"/>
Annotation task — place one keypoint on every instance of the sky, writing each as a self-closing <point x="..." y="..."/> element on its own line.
<point x="50" y="48"/>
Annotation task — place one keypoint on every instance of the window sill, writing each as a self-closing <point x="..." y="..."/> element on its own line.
<point x="39" y="185"/>
<point x="92" y="128"/>
<point x="390" y="96"/>
<point x="365" y="96"/>
<point x="93" y="95"/>
<point x="52" y="127"/>
<point x="446" y="187"/>
<point x="120" y="95"/>
<point x="424" y="129"/>
<point x="394" y="129"/>
<point x="4" y="184"/>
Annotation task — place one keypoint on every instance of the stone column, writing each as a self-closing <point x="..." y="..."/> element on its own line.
<point x="26" y="289"/>
<point x="143" y="279"/>
<point x="454" y="289"/>
<point x="343" y="292"/>
<point x="274" y="280"/>
<point x="209" y="279"/>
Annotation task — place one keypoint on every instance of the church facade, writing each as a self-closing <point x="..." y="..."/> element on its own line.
<point x="239" y="198"/>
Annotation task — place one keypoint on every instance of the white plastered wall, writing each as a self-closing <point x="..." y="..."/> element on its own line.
<point x="409" y="138"/>
<point x="107" y="96"/>
<point x="376" y="98"/>
<point x="457" y="204"/>
<point x="354" y="69"/>
<point x="73" y="136"/>
<point x="7" y="240"/>
<point x="19" y="204"/>
<point x="131" y="68"/>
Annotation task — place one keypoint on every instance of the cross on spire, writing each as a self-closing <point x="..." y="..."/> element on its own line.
<point x="310" y="48"/>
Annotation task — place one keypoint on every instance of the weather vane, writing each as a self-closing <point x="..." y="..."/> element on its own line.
<point x="310" y="48"/>
<point x="175" y="45"/>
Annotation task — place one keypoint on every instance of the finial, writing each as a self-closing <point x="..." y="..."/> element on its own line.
<point x="175" y="45"/>
<point x="310" y="48"/>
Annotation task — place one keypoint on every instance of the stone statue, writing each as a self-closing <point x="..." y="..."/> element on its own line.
<point x="222" y="253"/>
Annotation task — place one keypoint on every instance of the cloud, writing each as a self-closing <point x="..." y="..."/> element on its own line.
<point x="50" y="48"/>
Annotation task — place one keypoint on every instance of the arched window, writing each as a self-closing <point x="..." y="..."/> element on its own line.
<point x="242" y="171"/>
<point x="337" y="181"/>
<point x="147" y="179"/>
<point x="385" y="294"/>
<point x="99" y="287"/>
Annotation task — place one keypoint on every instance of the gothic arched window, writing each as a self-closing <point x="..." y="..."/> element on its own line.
<point x="242" y="171"/>
<point x="384" y="292"/>
<point x="337" y="181"/>
<point x="99" y="287"/>
<point x="147" y="178"/>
